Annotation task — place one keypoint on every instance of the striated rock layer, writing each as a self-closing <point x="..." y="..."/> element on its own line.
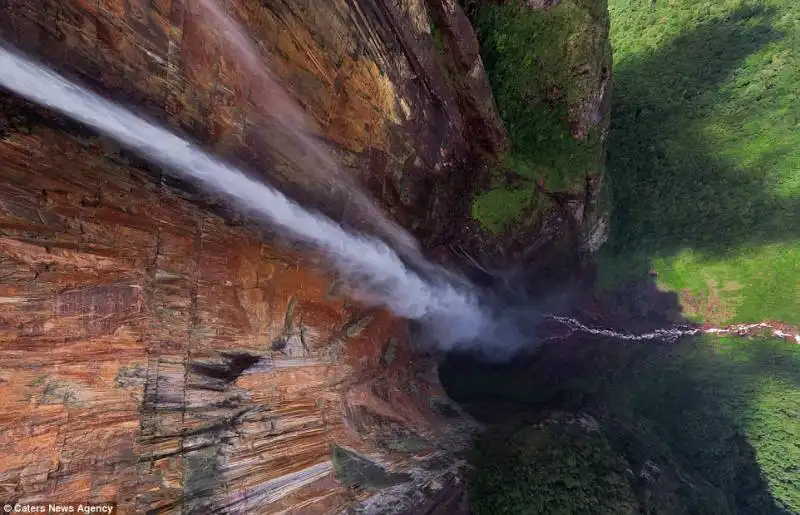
<point x="159" y="352"/>
<point x="156" y="356"/>
<point x="366" y="71"/>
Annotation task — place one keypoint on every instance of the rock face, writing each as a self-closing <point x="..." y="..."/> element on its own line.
<point x="367" y="72"/>
<point x="549" y="63"/>
<point x="156" y="356"/>
<point x="162" y="354"/>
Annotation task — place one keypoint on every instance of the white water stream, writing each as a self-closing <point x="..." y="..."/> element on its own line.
<point x="671" y="334"/>
<point x="446" y="305"/>
<point x="383" y="279"/>
<point x="292" y="135"/>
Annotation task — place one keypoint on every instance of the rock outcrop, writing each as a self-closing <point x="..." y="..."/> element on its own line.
<point x="160" y="357"/>
<point x="367" y="72"/>
<point x="549" y="63"/>
<point x="161" y="353"/>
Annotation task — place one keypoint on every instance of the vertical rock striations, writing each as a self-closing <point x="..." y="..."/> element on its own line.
<point x="367" y="73"/>
<point x="158" y="356"/>
<point x="158" y="351"/>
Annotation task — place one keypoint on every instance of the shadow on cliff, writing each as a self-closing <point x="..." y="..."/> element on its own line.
<point x="680" y="407"/>
<point x="664" y="403"/>
<point x="671" y="187"/>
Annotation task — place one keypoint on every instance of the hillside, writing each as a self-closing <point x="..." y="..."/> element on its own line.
<point x="704" y="167"/>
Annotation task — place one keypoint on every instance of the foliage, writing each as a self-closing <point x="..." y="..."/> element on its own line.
<point x="201" y="471"/>
<point x="704" y="158"/>
<point x="556" y="467"/>
<point x="436" y="34"/>
<point x="538" y="64"/>
<point x="729" y="407"/>
<point x="720" y="417"/>
<point x="501" y="205"/>
<point x="705" y="153"/>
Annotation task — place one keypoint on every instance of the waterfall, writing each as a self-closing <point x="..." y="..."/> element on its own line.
<point x="450" y="308"/>
<point x="291" y="134"/>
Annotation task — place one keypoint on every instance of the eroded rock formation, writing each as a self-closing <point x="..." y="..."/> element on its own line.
<point x="159" y="352"/>
<point x="157" y="356"/>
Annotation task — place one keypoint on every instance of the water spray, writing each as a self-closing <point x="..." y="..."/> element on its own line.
<point x="451" y="310"/>
<point x="316" y="161"/>
<point x="445" y="303"/>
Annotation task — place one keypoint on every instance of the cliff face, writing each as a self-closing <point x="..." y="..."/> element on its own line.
<point x="367" y="72"/>
<point x="157" y="356"/>
<point x="549" y="64"/>
<point x="162" y="354"/>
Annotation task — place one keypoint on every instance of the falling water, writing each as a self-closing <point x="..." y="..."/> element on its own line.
<point x="450" y="310"/>
<point x="293" y="130"/>
<point x="445" y="304"/>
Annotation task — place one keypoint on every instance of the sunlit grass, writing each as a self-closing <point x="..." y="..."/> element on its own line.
<point x="705" y="173"/>
<point x="751" y="284"/>
<point x="705" y="168"/>
<point x="705" y="153"/>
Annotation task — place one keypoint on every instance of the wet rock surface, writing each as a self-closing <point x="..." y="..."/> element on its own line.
<point x="139" y="358"/>
<point x="161" y="352"/>
<point x="367" y="73"/>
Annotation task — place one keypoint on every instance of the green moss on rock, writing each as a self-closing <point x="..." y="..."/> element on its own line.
<point x="501" y="205"/>
<point x="543" y="66"/>
<point x="409" y="445"/>
<point x="436" y="34"/>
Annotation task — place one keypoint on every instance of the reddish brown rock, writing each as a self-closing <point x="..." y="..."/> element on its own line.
<point x="159" y="353"/>
<point x="366" y="72"/>
<point x="162" y="357"/>
<point x="156" y="356"/>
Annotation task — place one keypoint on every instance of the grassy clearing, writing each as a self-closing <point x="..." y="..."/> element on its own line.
<point x="705" y="153"/>
<point x="540" y="64"/>
<point x="705" y="167"/>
